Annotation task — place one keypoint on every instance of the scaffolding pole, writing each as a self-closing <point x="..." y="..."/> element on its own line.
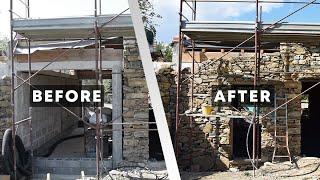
<point x="98" y="113"/>
<point x="191" y="119"/>
<point x="12" y="92"/>
<point x="255" y="84"/>
<point x="180" y="44"/>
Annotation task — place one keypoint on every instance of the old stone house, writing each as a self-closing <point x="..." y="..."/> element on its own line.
<point x="218" y="142"/>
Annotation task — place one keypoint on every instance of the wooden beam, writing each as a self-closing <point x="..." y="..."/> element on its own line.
<point x="87" y="74"/>
<point x="108" y="54"/>
<point x="65" y="65"/>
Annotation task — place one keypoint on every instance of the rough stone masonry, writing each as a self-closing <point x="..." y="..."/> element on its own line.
<point x="135" y="105"/>
<point x="206" y="144"/>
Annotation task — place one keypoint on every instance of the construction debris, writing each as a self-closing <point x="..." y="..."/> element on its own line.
<point x="309" y="168"/>
<point x="135" y="173"/>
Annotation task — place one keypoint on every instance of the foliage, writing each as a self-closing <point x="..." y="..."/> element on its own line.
<point x="3" y="44"/>
<point x="165" y="50"/>
<point x="107" y="83"/>
<point x="148" y="15"/>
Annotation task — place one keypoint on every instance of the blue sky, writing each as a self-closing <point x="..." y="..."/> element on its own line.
<point x="168" y="9"/>
<point x="231" y="11"/>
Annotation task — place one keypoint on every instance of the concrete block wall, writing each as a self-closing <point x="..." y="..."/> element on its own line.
<point x="47" y="122"/>
<point x="5" y="105"/>
<point x="67" y="166"/>
<point x="135" y="105"/>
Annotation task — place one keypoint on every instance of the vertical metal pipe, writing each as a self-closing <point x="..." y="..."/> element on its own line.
<point x="256" y="42"/>
<point x="194" y="14"/>
<point x="13" y="127"/>
<point x="258" y="78"/>
<point x="192" y="88"/>
<point x="28" y="9"/>
<point x="30" y="108"/>
<point x="100" y="7"/>
<point x="193" y="56"/>
<point x="102" y="103"/>
<point x="192" y="74"/>
<point x="97" y="110"/>
<point x="84" y="131"/>
<point x="95" y="8"/>
<point x="178" y="79"/>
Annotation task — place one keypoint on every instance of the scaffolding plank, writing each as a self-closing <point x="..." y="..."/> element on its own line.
<point x="73" y="27"/>
<point x="240" y="30"/>
<point x="252" y="1"/>
<point x="65" y="65"/>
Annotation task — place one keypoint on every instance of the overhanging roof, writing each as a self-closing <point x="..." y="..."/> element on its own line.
<point x="239" y="31"/>
<point x="73" y="27"/>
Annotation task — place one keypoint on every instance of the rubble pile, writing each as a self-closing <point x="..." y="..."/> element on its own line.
<point x="135" y="173"/>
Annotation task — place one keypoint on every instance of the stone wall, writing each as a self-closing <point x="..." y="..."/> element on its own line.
<point x="135" y="105"/>
<point x="167" y="86"/>
<point x="207" y="143"/>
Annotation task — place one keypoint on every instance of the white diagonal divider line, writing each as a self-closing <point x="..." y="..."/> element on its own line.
<point x="162" y="125"/>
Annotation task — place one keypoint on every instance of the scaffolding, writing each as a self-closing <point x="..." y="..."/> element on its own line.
<point x="98" y="77"/>
<point x="241" y="33"/>
<point x="95" y="33"/>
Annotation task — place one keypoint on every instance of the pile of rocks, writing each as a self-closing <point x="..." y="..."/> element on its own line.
<point x="135" y="173"/>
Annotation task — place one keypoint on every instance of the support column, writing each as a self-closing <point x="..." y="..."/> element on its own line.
<point x="135" y="105"/>
<point x="116" y="115"/>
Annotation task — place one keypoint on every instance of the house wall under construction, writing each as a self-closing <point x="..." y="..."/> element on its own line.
<point x="51" y="124"/>
<point x="218" y="142"/>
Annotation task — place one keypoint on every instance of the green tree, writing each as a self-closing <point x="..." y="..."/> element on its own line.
<point x="149" y="16"/>
<point x="164" y="50"/>
<point x="3" y="44"/>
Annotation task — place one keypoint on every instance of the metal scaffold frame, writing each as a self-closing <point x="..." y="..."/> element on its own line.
<point x="155" y="97"/>
<point x="258" y="32"/>
<point x="98" y="71"/>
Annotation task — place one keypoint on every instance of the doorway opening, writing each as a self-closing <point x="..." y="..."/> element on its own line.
<point x="239" y="129"/>
<point x="310" y="120"/>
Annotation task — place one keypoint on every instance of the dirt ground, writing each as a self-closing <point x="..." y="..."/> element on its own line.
<point x="309" y="168"/>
